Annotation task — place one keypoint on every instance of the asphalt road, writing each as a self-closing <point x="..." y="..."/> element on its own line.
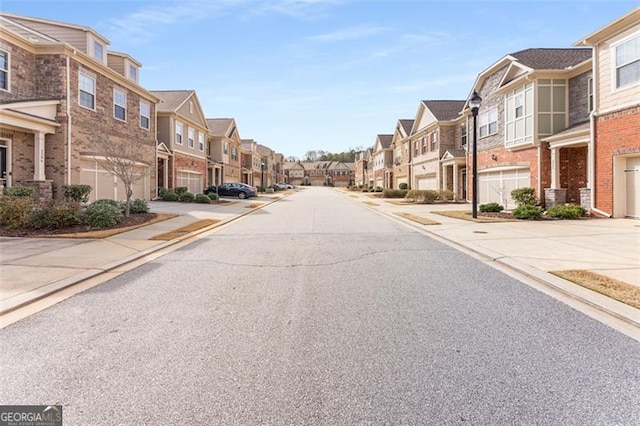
<point x="316" y="310"/>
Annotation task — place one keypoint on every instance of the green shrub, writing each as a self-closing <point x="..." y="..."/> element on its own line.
<point x="170" y="196"/>
<point x="181" y="190"/>
<point x="524" y="196"/>
<point x="103" y="214"/>
<point x="213" y="196"/>
<point x="423" y="196"/>
<point x="77" y="193"/>
<point x="490" y="208"/>
<point x="403" y="185"/>
<point x="15" y="211"/>
<point x="445" y="195"/>
<point x="394" y="193"/>
<point x="567" y="211"/>
<point x="56" y="215"/>
<point x="139" y="206"/>
<point x="186" y="197"/>
<point x="527" y="211"/>
<point x="19" y="191"/>
<point x="378" y="189"/>
<point x="203" y="199"/>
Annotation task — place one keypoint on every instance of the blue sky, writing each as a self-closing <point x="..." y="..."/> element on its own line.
<point x="300" y="75"/>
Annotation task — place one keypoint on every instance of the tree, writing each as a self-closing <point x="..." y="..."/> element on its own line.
<point x="124" y="161"/>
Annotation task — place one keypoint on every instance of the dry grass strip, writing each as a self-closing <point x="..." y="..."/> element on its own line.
<point x="225" y="202"/>
<point x="400" y="202"/>
<point x="185" y="230"/>
<point x="253" y="206"/>
<point x="371" y="203"/>
<point x="421" y="220"/>
<point x="618" y="290"/>
<point x="106" y="233"/>
<point x="464" y="215"/>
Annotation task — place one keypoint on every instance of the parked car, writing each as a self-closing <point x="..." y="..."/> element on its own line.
<point x="236" y="189"/>
<point x="283" y="185"/>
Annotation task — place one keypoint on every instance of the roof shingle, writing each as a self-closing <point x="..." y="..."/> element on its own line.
<point x="551" y="58"/>
<point x="445" y="110"/>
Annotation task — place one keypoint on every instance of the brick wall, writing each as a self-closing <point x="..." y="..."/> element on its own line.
<point x="573" y="172"/>
<point x="616" y="134"/>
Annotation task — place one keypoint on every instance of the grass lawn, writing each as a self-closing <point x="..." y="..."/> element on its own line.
<point x="464" y="215"/>
<point x="419" y="219"/>
<point x="618" y="290"/>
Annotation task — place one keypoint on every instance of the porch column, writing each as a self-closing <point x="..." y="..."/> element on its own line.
<point x="455" y="181"/>
<point x="38" y="157"/>
<point x="555" y="167"/>
<point x="444" y="176"/>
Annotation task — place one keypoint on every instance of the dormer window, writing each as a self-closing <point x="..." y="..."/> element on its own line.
<point x="133" y="73"/>
<point x="98" y="51"/>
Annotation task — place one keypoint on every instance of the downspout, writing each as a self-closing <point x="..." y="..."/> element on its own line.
<point x="69" y="120"/>
<point x="592" y="135"/>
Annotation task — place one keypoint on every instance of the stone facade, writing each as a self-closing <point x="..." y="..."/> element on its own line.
<point x="579" y="98"/>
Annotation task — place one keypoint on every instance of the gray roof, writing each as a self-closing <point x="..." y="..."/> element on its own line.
<point x="170" y="100"/>
<point x="407" y="125"/>
<point x="445" y="110"/>
<point x="219" y="126"/>
<point x="385" y="140"/>
<point x="552" y="59"/>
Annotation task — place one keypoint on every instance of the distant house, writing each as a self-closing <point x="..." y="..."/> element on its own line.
<point x="182" y="129"/>
<point x="400" y="144"/>
<point x="251" y="163"/>
<point x="381" y="164"/>
<point x="614" y="160"/>
<point x="66" y="102"/>
<point x="224" y="151"/>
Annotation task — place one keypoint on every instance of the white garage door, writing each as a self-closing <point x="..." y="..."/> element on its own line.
<point x="193" y="181"/>
<point x="496" y="186"/>
<point x="429" y="182"/>
<point x="632" y="177"/>
<point x="107" y="186"/>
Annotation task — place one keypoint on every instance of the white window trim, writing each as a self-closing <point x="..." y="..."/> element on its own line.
<point x="95" y="83"/>
<point x="142" y="115"/>
<point x="526" y="139"/>
<point x="191" y="137"/>
<point x="95" y="42"/>
<point x="115" y="104"/>
<point x="7" y="71"/>
<point x="590" y="94"/>
<point x="488" y="125"/>
<point x="200" y="141"/>
<point x="180" y="126"/>
<point x="614" y="67"/>
<point x="129" y="66"/>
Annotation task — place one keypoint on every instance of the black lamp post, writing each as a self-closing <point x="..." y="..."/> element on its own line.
<point x="262" y="178"/>
<point x="474" y="104"/>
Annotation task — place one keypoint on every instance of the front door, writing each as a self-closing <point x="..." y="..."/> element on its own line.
<point x="4" y="171"/>
<point x="632" y="175"/>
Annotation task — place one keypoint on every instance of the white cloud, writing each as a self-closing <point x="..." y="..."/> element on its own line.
<point x="348" y="34"/>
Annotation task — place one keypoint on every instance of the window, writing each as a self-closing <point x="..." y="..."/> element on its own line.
<point x="191" y="107"/>
<point x="424" y="145"/>
<point x="488" y="122"/>
<point x="179" y="133"/>
<point x="463" y="135"/>
<point x="415" y="148"/>
<point x="234" y="153"/>
<point x="145" y="115"/>
<point x="201" y="142"/>
<point x="226" y="147"/>
<point x="191" y="137"/>
<point x="552" y="108"/>
<point x="119" y="104"/>
<point x="519" y="115"/>
<point x="98" y="51"/>
<point x="433" y="141"/>
<point x="133" y="72"/>
<point x="87" y="90"/>
<point x="4" y="70"/>
<point x="628" y="62"/>
<point x="590" y="94"/>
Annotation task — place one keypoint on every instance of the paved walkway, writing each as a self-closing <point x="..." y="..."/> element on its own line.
<point x="33" y="268"/>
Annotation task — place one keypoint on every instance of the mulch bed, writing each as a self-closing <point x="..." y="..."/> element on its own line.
<point x="133" y="220"/>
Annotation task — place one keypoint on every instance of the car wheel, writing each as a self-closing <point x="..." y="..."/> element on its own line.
<point x="242" y="195"/>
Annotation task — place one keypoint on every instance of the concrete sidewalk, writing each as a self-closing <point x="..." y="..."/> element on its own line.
<point x="33" y="268"/>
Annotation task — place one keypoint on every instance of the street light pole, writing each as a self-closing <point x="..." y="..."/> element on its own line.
<point x="474" y="103"/>
<point x="262" y="177"/>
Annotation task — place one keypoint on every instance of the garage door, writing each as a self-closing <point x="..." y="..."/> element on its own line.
<point x="193" y="181"/>
<point x="496" y="186"/>
<point x="428" y="182"/>
<point x="107" y="186"/>
<point x="632" y="189"/>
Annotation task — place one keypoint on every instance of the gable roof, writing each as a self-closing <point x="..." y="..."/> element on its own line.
<point x="220" y="126"/>
<point x="385" y="140"/>
<point x="171" y="100"/>
<point x="445" y="110"/>
<point x="552" y="58"/>
<point x="406" y="124"/>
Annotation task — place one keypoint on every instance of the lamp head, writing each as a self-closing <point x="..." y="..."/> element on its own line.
<point x="474" y="103"/>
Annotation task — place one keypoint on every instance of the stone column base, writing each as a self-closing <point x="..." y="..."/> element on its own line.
<point x="585" y="198"/>
<point x="554" y="197"/>
<point x="44" y="189"/>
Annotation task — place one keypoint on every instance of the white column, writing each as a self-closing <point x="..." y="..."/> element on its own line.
<point x="443" y="170"/>
<point x="455" y="182"/>
<point x="38" y="156"/>
<point x="555" y="167"/>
